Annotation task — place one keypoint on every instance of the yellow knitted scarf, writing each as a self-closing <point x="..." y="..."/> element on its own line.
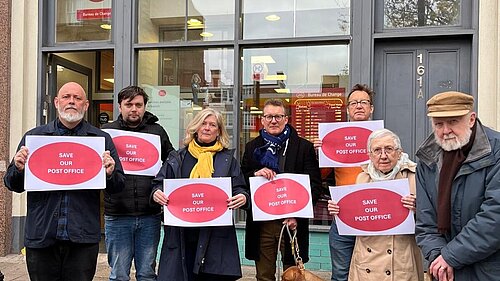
<point x="205" y="155"/>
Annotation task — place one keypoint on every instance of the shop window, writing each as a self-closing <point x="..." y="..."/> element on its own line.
<point x="181" y="20"/>
<point x="83" y="20"/>
<point x="181" y="82"/>
<point x="313" y="81"/>
<point x="415" y="13"/>
<point x="286" y="19"/>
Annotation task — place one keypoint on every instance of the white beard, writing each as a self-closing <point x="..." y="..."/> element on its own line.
<point x="70" y="117"/>
<point x="452" y="142"/>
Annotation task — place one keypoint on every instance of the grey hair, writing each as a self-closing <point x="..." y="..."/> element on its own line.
<point x="384" y="133"/>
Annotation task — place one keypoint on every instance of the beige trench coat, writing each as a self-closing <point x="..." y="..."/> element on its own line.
<point x="388" y="257"/>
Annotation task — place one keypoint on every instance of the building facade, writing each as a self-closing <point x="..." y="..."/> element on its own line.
<point x="233" y="55"/>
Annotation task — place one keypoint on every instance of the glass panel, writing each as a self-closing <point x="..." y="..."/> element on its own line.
<point x="285" y="18"/>
<point x="414" y="13"/>
<point x="161" y="20"/>
<point x="181" y="82"/>
<point x="106" y="71"/>
<point x="83" y="20"/>
<point x="311" y="80"/>
<point x="210" y="20"/>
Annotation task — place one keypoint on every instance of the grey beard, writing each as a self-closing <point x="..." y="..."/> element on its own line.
<point x="455" y="144"/>
<point x="70" y="117"/>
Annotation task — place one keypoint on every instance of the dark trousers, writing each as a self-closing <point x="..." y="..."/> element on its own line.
<point x="63" y="261"/>
<point x="268" y="252"/>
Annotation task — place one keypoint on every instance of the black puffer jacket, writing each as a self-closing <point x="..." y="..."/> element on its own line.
<point x="134" y="200"/>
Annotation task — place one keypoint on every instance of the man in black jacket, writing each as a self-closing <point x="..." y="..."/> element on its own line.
<point x="132" y="224"/>
<point x="62" y="229"/>
<point x="277" y="149"/>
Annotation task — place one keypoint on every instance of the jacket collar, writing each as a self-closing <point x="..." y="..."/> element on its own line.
<point x="85" y="129"/>
<point x="430" y="152"/>
<point x="148" y="118"/>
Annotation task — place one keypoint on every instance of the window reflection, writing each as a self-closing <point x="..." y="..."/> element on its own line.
<point x="161" y="20"/>
<point x="83" y="20"/>
<point x="284" y="18"/>
<point x="414" y="13"/>
<point x="311" y="80"/>
<point x="181" y="82"/>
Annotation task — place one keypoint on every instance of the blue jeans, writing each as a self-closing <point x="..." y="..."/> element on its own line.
<point x="131" y="237"/>
<point x="341" y="247"/>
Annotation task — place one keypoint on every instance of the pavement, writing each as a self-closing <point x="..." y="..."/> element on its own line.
<point x="13" y="266"/>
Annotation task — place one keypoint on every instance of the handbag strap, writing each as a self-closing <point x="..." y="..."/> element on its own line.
<point x="295" y="250"/>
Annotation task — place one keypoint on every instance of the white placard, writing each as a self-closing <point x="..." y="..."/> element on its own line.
<point x="344" y="143"/>
<point x="140" y="153"/>
<point x="286" y="196"/>
<point x="373" y="208"/>
<point x="197" y="202"/>
<point x="64" y="163"/>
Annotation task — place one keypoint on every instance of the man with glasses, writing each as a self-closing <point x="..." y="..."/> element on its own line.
<point x="277" y="149"/>
<point x="359" y="108"/>
<point x="458" y="188"/>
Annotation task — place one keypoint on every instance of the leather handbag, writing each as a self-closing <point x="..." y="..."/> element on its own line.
<point x="297" y="272"/>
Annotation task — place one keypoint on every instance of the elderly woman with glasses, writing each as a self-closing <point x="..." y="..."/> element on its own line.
<point x="202" y="253"/>
<point x="386" y="257"/>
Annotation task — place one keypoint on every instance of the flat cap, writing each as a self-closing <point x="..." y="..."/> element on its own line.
<point x="448" y="104"/>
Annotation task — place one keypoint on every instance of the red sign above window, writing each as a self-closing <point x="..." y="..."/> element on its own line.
<point x="93" y="14"/>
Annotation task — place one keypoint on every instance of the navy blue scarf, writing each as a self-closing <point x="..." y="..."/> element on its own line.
<point x="267" y="155"/>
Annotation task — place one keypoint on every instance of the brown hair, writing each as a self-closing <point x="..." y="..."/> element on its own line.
<point x="362" y="87"/>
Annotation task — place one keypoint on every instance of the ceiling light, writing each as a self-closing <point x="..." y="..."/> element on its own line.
<point x="194" y="22"/>
<point x="106" y="26"/>
<point x="282" y="91"/>
<point x="273" y="17"/>
<point x="206" y="34"/>
<point x="110" y="80"/>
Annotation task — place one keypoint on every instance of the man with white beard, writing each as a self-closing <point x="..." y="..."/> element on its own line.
<point x="458" y="192"/>
<point x="62" y="229"/>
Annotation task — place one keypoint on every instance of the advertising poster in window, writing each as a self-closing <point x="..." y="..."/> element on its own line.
<point x="164" y="103"/>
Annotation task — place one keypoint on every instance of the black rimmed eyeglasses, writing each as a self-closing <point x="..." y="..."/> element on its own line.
<point x="278" y="118"/>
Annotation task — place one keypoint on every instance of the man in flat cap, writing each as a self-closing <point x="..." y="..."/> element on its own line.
<point x="458" y="187"/>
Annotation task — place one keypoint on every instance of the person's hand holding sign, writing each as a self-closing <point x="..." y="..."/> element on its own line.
<point x="108" y="162"/>
<point x="160" y="198"/>
<point x="236" y="201"/>
<point x="333" y="208"/>
<point x="409" y="202"/>
<point x="20" y="158"/>
<point x="265" y="172"/>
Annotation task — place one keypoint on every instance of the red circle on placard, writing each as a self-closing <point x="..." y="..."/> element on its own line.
<point x="213" y="199"/>
<point x="281" y="196"/>
<point x="367" y="209"/>
<point x="162" y="93"/>
<point x="139" y="155"/>
<point x="347" y="145"/>
<point x="65" y="163"/>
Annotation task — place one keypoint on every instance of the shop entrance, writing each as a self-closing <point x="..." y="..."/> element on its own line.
<point x="93" y="71"/>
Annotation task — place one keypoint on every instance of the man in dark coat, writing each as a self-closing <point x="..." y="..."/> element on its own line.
<point x="132" y="224"/>
<point x="458" y="188"/>
<point x="62" y="227"/>
<point x="278" y="149"/>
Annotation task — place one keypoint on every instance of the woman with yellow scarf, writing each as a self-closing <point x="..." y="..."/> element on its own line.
<point x="202" y="253"/>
